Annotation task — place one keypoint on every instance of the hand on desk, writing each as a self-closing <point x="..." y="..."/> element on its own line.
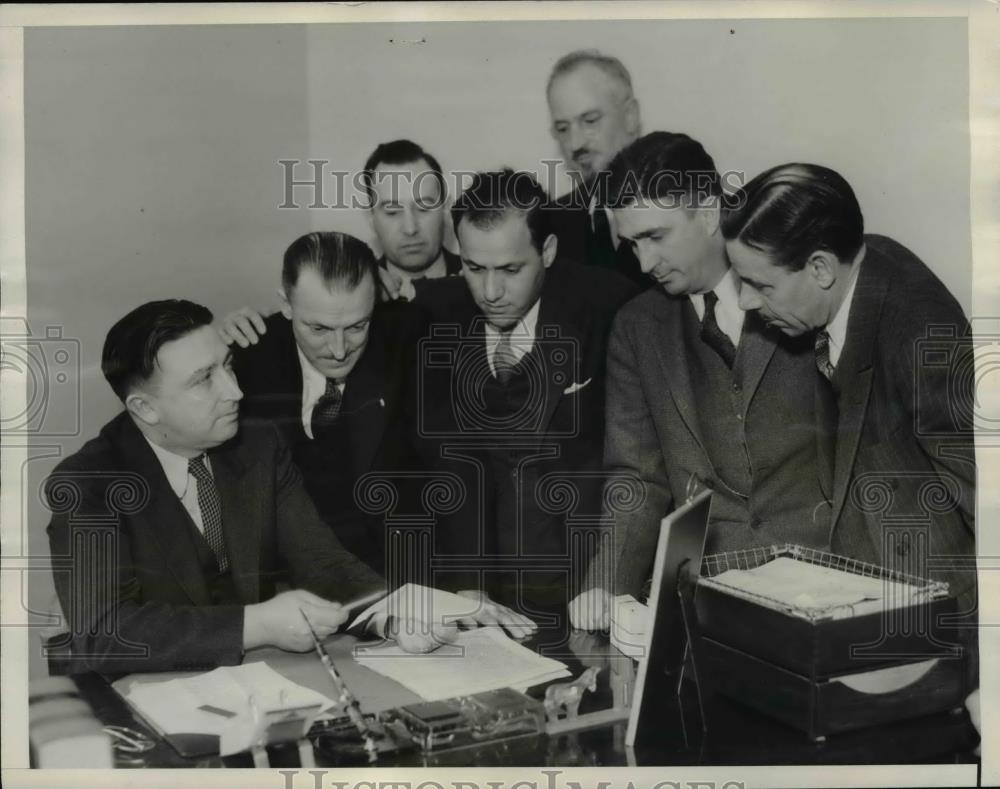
<point x="278" y="622"/>
<point x="591" y="610"/>
<point x="493" y="614"/>
<point x="972" y="705"/>
<point x="244" y="327"/>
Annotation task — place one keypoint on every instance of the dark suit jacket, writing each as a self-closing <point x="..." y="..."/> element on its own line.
<point x="452" y="265"/>
<point x="371" y="440"/>
<point x="904" y="454"/>
<point x="654" y="431"/>
<point x="515" y="514"/>
<point x="135" y="591"/>
<point x="569" y="218"/>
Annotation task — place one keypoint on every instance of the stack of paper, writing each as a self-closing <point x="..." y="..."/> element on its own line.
<point x="222" y="702"/>
<point x="479" y="660"/>
<point x="812" y="590"/>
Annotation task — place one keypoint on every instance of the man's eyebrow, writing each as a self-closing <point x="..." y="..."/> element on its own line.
<point x="753" y="283"/>
<point x="201" y="371"/>
<point x="647" y="233"/>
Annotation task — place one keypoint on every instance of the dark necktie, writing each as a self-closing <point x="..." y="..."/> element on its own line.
<point x="712" y="335"/>
<point x="211" y="510"/>
<point x="600" y="246"/>
<point x="326" y="410"/>
<point x="504" y="360"/>
<point x="823" y="355"/>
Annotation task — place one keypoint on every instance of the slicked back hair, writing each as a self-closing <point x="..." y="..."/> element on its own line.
<point x="793" y="210"/>
<point x="340" y="260"/>
<point x="131" y="346"/>
<point x="398" y="152"/>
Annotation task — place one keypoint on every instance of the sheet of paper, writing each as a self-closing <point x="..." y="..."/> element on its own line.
<point x="175" y="706"/>
<point x="479" y="660"/>
<point x="422" y="604"/>
<point x="815" y="590"/>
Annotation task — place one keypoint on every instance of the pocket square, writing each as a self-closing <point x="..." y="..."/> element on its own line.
<point x="576" y="387"/>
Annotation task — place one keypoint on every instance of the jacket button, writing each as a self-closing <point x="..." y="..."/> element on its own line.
<point x="755" y="522"/>
<point x="902" y="549"/>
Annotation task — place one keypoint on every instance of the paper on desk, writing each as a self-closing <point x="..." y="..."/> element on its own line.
<point x="422" y="604"/>
<point x="479" y="660"/>
<point x="172" y="707"/>
<point x="814" y="590"/>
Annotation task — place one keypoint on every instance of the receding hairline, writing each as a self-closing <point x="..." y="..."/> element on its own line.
<point x="610" y="66"/>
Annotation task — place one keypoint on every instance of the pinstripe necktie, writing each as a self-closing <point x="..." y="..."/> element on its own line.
<point x="504" y="360"/>
<point x="211" y="510"/>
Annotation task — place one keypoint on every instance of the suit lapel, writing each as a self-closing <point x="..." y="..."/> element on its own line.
<point x="755" y="351"/>
<point x="675" y="366"/>
<point x="854" y="374"/>
<point x="164" y="517"/>
<point x="557" y="366"/>
<point x="364" y="403"/>
<point x="239" y="524"/>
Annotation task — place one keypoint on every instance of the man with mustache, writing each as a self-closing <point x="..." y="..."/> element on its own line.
<point x="698" y="394"/>
<point x="594" y="115"/>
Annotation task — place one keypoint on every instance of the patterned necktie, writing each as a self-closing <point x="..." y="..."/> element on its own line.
<point x="211" y="510"/>
<point x="504" y="360"/>
<point x="713" y="336"/>
<point x="823" y="355"/>
<point x="326" y="410"/>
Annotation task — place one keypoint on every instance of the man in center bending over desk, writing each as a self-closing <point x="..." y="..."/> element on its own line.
<point x="699" y="395"/>
<point x="171" y="528"/>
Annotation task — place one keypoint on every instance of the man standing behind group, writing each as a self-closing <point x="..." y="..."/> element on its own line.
<point x="699" y="395"/>
<point x="407" y="202"/>
<point x="594" y="115"/>
<point x="512" y="395"/>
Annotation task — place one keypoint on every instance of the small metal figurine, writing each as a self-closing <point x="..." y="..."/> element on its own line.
<point x="564" y="699"/>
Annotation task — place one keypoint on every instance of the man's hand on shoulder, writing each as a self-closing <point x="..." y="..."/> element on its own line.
<point x="279" y="622"/>
<point x="244" y="327"/>
<point x="591" y="610"/>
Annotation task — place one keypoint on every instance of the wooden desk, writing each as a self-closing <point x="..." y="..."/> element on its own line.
<point x="735" y="735"/>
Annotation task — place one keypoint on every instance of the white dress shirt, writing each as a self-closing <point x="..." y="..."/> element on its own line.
<point x="522" y="337"/>
<point x="313" y="388"/>
<point x="182" y="482"/>
<point x="837" y="328"/>
<point x="728" y="314"/>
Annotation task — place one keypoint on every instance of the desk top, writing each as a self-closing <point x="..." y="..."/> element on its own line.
<point x="733" y="735"/>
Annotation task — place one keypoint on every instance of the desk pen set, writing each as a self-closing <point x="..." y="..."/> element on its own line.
<point x="351" y="736"/>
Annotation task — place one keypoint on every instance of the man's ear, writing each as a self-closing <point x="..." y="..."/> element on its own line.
<point x="711" y="216"/>
<point x="286" y="307"/>
<point x="549" y="250"/>
<point x="137" y="405"/>
<point x="632" y="118"/>
<point x="824" y="267"/>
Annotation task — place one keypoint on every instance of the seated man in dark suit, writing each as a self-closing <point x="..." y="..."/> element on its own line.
<point x="594" y="115"/>
<point x="170" y="528"/>
<point x="511" y="399"/>
<point x="894" y="366"/>
<point x="699" y="395"/>
<point x="408" y="208"/>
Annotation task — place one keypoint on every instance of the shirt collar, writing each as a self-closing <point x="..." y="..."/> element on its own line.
<point x="837" y="328"/>
<point x="312" y="379"/>
<point x="174" y="466"/>
<point x="728" y="314"/>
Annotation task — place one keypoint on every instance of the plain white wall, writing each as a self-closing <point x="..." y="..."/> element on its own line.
<point x="152" y="152"/>
<point x="885" y="102"/>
